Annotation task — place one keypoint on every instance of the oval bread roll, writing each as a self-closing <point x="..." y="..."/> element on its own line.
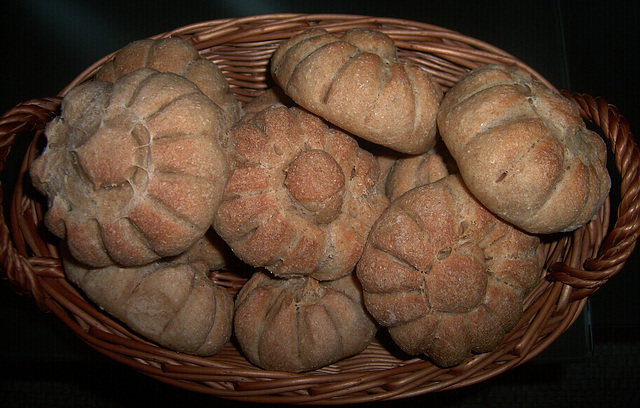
<point x="357" y="83"/>
<point x="171" y="301"/>
<point x="300" y="324"/>
<point x="523" y="150"/>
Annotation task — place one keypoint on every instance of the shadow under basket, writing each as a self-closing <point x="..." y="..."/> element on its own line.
<point x="577" y="263"/>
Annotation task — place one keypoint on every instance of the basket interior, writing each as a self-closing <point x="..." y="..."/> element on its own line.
<point x="242" y="49"/>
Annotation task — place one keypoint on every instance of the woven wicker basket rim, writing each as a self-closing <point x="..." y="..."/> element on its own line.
<point x="577" y="263"/>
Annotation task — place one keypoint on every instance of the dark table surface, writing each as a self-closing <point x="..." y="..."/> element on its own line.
<point x="582" y="46"/>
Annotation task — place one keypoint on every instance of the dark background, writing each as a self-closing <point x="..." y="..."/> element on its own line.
<point x="584" y="46"/>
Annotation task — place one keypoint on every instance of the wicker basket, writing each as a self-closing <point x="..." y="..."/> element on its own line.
<point x="576" y="263"/>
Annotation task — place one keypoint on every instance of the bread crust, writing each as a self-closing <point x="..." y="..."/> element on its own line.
<point x="301" y="324"/>
<point x="180" y="57"/>
<point x="410" y="171"/>
<point x="171" y="302"/>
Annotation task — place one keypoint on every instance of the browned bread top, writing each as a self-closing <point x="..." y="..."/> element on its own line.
<point x="171" y="301"/>
<point x="178" y="56"/>
<point x="300" y="324"/>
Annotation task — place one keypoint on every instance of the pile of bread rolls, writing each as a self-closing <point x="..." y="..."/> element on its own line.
<point x="360" y="196"/>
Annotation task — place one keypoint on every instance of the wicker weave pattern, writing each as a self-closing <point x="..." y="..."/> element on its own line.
<point x="577" y="263"/>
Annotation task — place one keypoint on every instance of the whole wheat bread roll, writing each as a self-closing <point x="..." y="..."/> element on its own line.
<point x="180" y="57"/>
<point x="171" y="302"/>
<point x="133" y="170"/>
<point x="300" y="324"/>
<point x="523" y="150"/>
<point x="302" y="196"/>
<point x="445" y="275"/>
<point x="357" y="83"/>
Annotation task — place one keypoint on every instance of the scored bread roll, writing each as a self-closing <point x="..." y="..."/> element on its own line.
<point x="180" y="57"/>
<point x="302" y="195"/>
<point x="445" y="275"/>
<point x="357" y="83"/>
<point x="300" y="324"/>
<point x="133" y="170"/>
<point x="171" y="302"/>
<point x="523" y="150"/>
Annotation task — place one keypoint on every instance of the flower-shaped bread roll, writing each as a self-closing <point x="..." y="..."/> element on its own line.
<point x="445" y="275"/>
<point x="302" y="196"/>
<point x="133" y="170"/>
<point x="300" y="324"/>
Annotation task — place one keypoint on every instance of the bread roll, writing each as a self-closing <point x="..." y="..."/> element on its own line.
<point x="445" y="275"/>
<point x="523" y="150"/>
<point x="302" y="196"/>
<point x="178" y="56"/>
<point x="133" y="170"/>
<point x="357" y="83"/>
<point x="300" y="324"/>
<point x="412" y="171"/>
<point x="171" y="302"/>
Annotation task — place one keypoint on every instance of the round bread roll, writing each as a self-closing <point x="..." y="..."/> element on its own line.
<point x="357" y="83"/>
<point x="301" y="324"/>
<point x="175" y="55"/>
<point x="133" y="171"/>
<point x="302" y="196"/>
<point x="445" y="275"/>
<point x="171" y="302"/>
<point x="523" y="150"/>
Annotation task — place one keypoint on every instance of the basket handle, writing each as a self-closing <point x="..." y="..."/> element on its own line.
<point x="620" y="242"/>
<point x="21" y="121"/>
